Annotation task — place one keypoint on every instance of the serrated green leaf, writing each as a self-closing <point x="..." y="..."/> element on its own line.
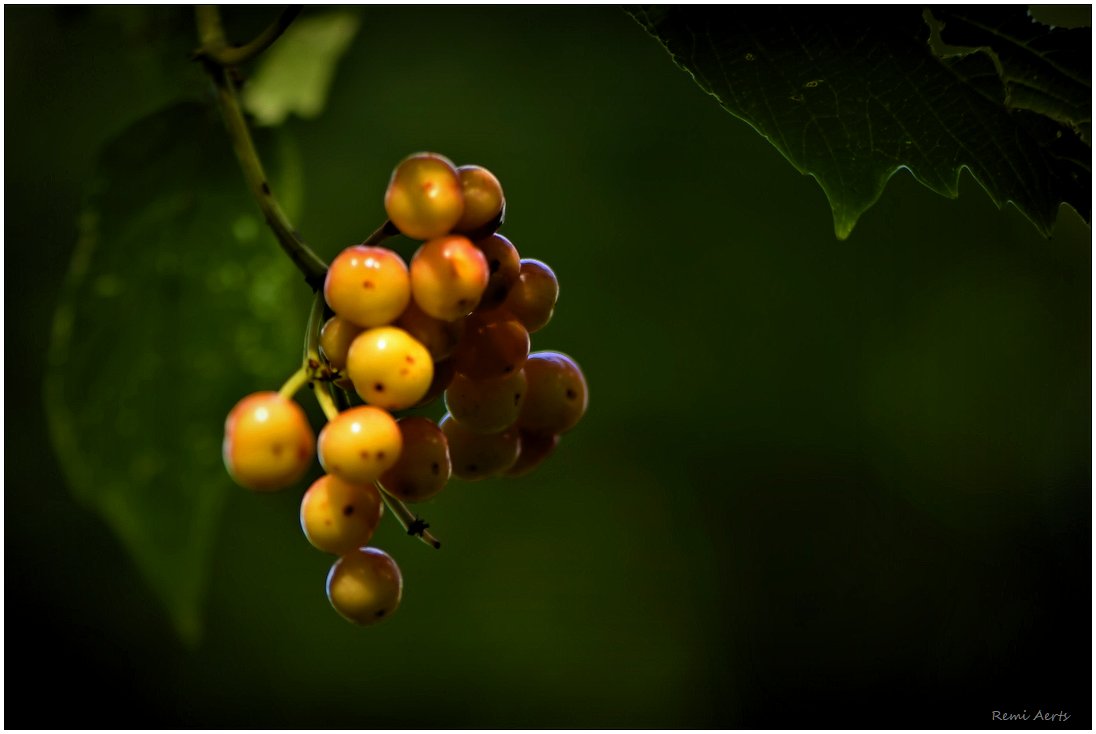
<point x="1044" y="69"/>
<point x="851" y="95"/>
<point x="177" y="304"/>
<point x="295" y="74"/>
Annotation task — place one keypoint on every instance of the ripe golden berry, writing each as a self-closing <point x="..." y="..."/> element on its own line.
<point x="337" y="516"/>
<point x="483" y="198"/>
<point x="448" y="277"/>
<point x="367" y="286"/>
<point x="424" y="197"/>
<point x="360" y="444"/>
<point x="268" y="443"/>
<point x="335" y="338"/>
<point x="365" y="586"/>
<point x="389" y="368"/>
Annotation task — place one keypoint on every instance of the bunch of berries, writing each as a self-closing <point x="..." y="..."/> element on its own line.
<point x="456" y="322"/>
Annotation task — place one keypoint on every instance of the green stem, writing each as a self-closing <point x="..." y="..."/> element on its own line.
<point x="295" y="382"/>
<point x="212" y="36"/>
<point x="412" y="523"/>
<point x="312" y="332"/>
<point x="225" y="55"/>
<point x="327" y="405"/>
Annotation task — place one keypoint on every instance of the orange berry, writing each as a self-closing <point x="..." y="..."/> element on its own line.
<point x="495" y="344"/>
<point x="360" y="444"/>
<point x="483" y="198"/>
<point x="556" y="397"/>
<point x="367" y="286"/>
<point x="439" y="337"/>
<point x="504" y="267"/>
<point x="486" y="406"/>
<point x="479" y="455"/>
<point x="532" y="300"/>
<point x="335" y="339"/>
<point x="268" y="443"/>
<point x="424" y="197"/>
<point x="338" y="516"/>
<point x="448" y="277"/>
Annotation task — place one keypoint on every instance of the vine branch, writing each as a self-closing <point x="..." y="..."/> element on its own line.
<point x="226" y="55"/>
<point x="412" y="523"/>
<point x="211" y="34"/>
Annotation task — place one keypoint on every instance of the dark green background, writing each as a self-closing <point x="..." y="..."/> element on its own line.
<point x="820" y="483"/>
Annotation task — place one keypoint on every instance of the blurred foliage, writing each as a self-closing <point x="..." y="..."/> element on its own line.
<point x="819" y="483"/>
<point x="852" y="95"/>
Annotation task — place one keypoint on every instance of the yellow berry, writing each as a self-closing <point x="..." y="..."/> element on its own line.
<point x="424" y="198"/>
<point x="483" y="198"/>
<point x="365" y="586"/>
<point x="338" y="516"/>
<point x="389" y="368"/>
<point x="360" y="444"/>
<point x="268" y="442"/>
<point x="367" y="286"/>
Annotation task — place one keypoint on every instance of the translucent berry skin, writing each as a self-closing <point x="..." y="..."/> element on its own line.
<point x="424" y="197"/>
<point x="360" y="444"/>
<point x="389" y="368"/>
<point x="486" y="406"/>
<point x="534" y="448"/>
<point x="365" y="586"/>
<point x="367" y="286"/>
<point x="532" y="300"/>
<point x="494" y="345"/>
<point x="268" y="443"/>
<point x="423" y="468"/>
<point x="439" y="337"/>
<point x="335" y="338"/>
<point x="448" y="277"/>
<point x="556" y="397"/>
<point x="337" y="516"/>
<point x="479" y="455"/>
<point x="483" y="198"/>
<point x="503" y="266"/>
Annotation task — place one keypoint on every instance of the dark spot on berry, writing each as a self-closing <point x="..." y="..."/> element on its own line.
<point x="380" y="612"/>
<point x="409" y="359"/>
<point x="326" y="522"/>
<point x="367" y="284"/>
<point x="302" y="453"/>
<point x="463" y="303"/>
<point x="348" y="510"/>
<point x="434" y="468"/>
<point x="379" y="387"/>
<point x="364" y="454"/>
<point x="517" y="398"/>
<point x="472" y="467"/>
<point x="571" y="394"/>
<point x="380" y="454"/>
<point x="266" y="188"/>
<point x="404" y="371"/>
<point x="508" y="368"/>
<point x="276" y="449"/>
<point x="494" y="265"/>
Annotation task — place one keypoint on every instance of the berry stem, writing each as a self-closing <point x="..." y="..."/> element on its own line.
<point x="382" y="233"/>
<point x="295" y="382"/>
<point x="212" y="36"/>
<point x="412" y="523"/>
<point x="312" y="332"/>
<point x="327" y="405"/>
<point x="225" y="55"/>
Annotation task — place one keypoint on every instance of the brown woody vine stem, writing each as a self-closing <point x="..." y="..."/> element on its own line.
<point x="212" y="52"/>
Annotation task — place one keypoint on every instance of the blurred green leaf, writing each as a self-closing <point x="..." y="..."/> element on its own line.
<point x="852" y="95"/>
<point x="295" y="74"/>
<point x="177" y="303"/>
